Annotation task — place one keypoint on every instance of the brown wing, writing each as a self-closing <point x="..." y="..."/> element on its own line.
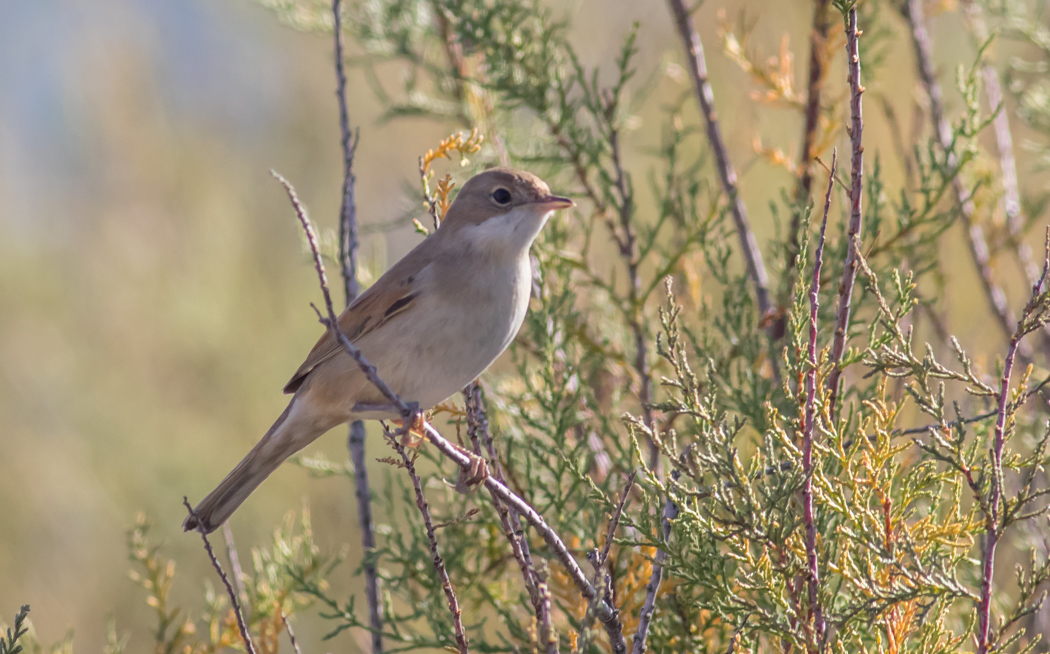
<point x="392" y="295"/>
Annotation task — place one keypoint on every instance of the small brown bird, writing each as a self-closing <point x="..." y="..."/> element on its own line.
<point x="431" y="324"/>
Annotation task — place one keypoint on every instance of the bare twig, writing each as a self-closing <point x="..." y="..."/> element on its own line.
<point x="348" y="207"/>
<point x="975" y="234"/>
<point x="235" y="561"/>
<point x="809" y="514"/>
<point x="348" y="245"/>
<point x="818" y="37"/>
<point x="598" y="559"/>
<point x="234" y="602"/>
<point x="477" y="431"/>
<point x="1011" y="198"/>
<point x="653" y="588"/>
<point x="993" y="529"/>
<point x="629" y="254"/>
<point x="291" y="634"/>
<point x="607" y="614"/>
<point x="614" y="522"/>
<point x="428" y="522"/>
<point x="705" y="96"/>
<point x="849" y="270"/>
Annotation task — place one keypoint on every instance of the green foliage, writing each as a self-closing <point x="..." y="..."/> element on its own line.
<point x="644" y="354"/>
<point x="269" y="593"/>
<point x="9" y="644"/>
<point x="609" y="379"/>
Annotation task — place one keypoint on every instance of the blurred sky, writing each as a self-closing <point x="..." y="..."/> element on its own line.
<point x="153" y="287"/>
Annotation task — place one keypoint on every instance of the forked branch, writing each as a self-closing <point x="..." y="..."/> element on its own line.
<point x="607" y="614"/>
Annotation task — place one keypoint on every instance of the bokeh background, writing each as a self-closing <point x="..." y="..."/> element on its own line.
<point x="154" y="288"/>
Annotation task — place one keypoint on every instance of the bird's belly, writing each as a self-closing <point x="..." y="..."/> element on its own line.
<point x="427" y="361"/>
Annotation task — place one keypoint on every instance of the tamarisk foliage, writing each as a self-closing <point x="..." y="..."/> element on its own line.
<point x="645" y="351"/>
<point x="792" y="496"/>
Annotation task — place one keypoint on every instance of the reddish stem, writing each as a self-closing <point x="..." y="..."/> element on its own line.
<point x="809" y="513"/>
<point x="856" y="219"/>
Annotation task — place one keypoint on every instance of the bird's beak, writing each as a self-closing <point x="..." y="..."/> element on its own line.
<point x="553" y="202"/>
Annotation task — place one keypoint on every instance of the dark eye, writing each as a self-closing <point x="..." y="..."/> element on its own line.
<point x="501" y="196"/>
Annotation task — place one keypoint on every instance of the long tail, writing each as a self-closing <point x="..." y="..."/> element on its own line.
<point x="284" y="438"/>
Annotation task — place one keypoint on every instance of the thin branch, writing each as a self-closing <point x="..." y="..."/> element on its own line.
<point x="856" y="219"/>
<point x="993" y="528"/>
<point x="235" y="561"/>
<point x="428" y="522"/>
<point x="598" y="559"/>
<point x="705" y="96"/>
<point x="645" y="617"/>
<point x="477" y="431"/>
<point x="348" y="245"/>
<point x="818" y="37"/>
<point x="809" y="514"/>
<point x="629" y="254"/>
<point x="607" y="614"/>
<point x="291" y="634"/>
<point x="245" y="636"/>
<point x="975" y="233"/>
<point x="1011" y="198"/>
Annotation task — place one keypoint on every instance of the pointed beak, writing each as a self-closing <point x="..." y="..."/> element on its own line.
<point x="553" y="202"/>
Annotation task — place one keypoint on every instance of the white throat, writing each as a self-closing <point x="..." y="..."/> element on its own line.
<point x="513" y="232"/>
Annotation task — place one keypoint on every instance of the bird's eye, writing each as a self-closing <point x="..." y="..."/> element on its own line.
<point x="501" y="196"/>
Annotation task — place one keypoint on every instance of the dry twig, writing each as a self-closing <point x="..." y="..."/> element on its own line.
<point x="245" y="636"/>
<point x="607" y="614"/>
<point x="653" y="588"/>
<point x="477" y="431"/>
<point x="975" y="234"/>
<point x="348" y="245"/>
<point x="993" y="526"/>
<point x="818" y="37"/>
<point x="809" y="514"/>
<point x="849" y="270"/>
<point x="705" y="96"/>
<point x="393" y="438"/>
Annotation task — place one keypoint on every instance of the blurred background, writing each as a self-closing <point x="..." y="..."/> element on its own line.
<point x="154" y="288"/>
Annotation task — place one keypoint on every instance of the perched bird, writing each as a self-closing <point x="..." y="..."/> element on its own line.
<point x="430" y="325"/>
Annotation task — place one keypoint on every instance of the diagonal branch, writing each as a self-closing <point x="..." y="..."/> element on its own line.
<point x="1011" y="198"/>
<point x="978" y="245"/>
<point x="1004" y="415"/>
<point x="428" y="522"/>
<point x="607" y="614"/>
<point x="705" y="96"/>
<point x="645" y="617"/>
<point x="478" y="431"/>
<point x="234" y="603"/>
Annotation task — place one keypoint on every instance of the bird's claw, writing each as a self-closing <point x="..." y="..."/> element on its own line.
<point x="471" y="478"/>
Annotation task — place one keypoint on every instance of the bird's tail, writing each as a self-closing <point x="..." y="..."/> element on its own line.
<point x="286" y="437"/>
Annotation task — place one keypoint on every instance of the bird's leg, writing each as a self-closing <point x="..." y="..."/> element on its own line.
<point x="412" y="435"/>
<point x="470" y="479"/>
<point x="374" y="408"/>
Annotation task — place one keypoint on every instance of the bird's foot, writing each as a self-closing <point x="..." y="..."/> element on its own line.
<point x="472" y="477"/>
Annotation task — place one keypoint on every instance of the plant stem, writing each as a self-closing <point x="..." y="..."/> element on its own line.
<point x="856" y="219"/>
<point x="348" y="245"/>
<point x="809" y="513"/>
<point x="705" y="96"/>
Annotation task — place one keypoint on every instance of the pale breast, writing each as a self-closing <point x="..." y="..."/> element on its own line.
<point x="461" y="327"/>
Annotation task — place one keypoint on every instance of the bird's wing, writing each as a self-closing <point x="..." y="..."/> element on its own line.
<point x="393" y="295"/>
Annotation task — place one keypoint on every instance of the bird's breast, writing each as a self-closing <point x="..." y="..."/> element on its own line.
<point x="465" y="320"/>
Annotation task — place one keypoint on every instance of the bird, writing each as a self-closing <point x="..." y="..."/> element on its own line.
<point x="430" y="325"/>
